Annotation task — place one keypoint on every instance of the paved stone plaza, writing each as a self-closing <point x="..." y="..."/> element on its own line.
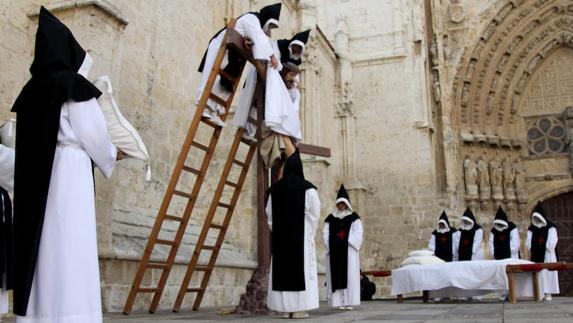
<point x="559" y="310"/>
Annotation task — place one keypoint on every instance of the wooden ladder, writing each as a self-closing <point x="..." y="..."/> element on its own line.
<point x="232" y="39"/>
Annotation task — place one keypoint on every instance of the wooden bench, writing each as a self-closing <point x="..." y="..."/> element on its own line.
<point x="534" y="269"/>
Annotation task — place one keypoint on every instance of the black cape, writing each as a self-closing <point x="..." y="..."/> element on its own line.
<point x="501" y="242"/>
<point x="287" y="235"/>
<point x="55" y="80"/>
<point x="6" y="240"/>
<point x="338" y="232"/>
<point x="539" y="236"/>
<point x="466" y="244"/>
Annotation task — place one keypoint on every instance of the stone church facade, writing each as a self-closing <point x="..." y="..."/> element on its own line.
<point x="427" y="105"/>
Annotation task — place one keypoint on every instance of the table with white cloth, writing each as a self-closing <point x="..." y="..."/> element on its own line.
<point x="460" y="279"/>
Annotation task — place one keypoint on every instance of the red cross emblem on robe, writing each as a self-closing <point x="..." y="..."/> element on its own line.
<point x="443" y="239"/>
<point x="466" y="242"/>
<point x="502" y="237"/>
<point x="341" y="234"/>
<point x="541" y="240"/>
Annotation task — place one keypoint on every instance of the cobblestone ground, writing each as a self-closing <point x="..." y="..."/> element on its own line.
<point x="556" y="311"/>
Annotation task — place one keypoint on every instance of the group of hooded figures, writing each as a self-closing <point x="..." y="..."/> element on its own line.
<point x="465" y="244"/>
<point x="48" y="242"/>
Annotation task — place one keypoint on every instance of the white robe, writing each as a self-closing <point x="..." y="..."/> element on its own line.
<point x="549" y="279"/>
<point x="513" y="244"/>
<point x="288" y="302"/>
<point x="66" y="286"/>
<point x="432" y="245"/>
<point x="477" y="248"/>
<point x="245" y="103"/>
<point x="248" y="26"/>
<point x="351" y="295"/>
<point x="7" y="157"/>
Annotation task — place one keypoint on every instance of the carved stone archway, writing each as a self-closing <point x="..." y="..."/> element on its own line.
<point x="488" y="94"/>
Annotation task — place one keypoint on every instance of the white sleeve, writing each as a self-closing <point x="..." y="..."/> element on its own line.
<point x="528" y="240"/>
<point x="89" y="126"/>
<point x="355" y="234"/>
<point x="7" y="158"/>
<point x="261" y="46"/>
<point x="326" y="235"/>
<point x="312" y="208"/>
<point x="478" y="239"/>
<point x="551" y="240"/>
<point x="490" y="244"/>
<point x="269" y="211"/>
<point x="455" y="244"/>
<point x="514" y="241"/>
<point x="432" y="243"/>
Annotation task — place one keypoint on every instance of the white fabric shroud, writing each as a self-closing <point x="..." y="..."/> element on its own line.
<point x="483" y="276"/>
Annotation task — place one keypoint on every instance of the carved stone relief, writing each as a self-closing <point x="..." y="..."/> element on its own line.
<point x="568" y="117"/>
<point x="456" y="12"/>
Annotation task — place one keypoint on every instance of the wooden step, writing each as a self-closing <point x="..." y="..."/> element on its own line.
<point x="182" y="194"/>
<point x="194" y="290"/>
<point x="191" y="170"/>
<point x="157" y="265"/>
<point x="224" y="205"/>
<point x="230" y="183"/>
<point x="165" y="242"/>
<point x="212" y="248"/>
<point x="173" y="218"/>
<point x="217" y="226"/>
<point x="148" y="290"/>
<point x="218" y="99"/>
<point x="200" y="146"/>
<point x="240" y="163"/>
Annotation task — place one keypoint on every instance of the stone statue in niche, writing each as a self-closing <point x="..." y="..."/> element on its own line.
<point x="484" y="182"/>
<point x="455" y="12"/>
<point x="436" y="87"/>
<point x="508" y="179"/>
<point x="471" y="180"/>
<point x="520" y="182"/>
<point x="434" y="52"/>
<point x="496" y="178"/>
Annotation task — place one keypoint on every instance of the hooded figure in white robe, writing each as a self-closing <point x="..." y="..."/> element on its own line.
<point x="468" y="238"/>
<point x="441" y="242"/>
<point x="6" y="238"/>
<point x="342" y="236"/>
<point x="541" y="241"/>
<point x="61" y="131"/>
<point x="286" y="50"/>
<point x="252" y="25"/>
<point x="293" y="211"/>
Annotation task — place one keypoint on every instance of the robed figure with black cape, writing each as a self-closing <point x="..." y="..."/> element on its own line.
<point x="442" y="240"/>
<point x="503" y="238"/>
<point x="468" y="239"/>
<point x="541" y="242"/>
<point x="61" y="131"/>
<point x="342" y="235"/>
<point x="293" y="211"/>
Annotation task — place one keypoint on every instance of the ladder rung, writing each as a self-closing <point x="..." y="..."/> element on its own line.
<point x="209" y="247"/>
<point x="231" y="184"/>
<point x="209" y="122"/>
<point x="252" y="120"/>
<point x="200" y="146"/>
<point x="202" y="268"/>
<point x="227" y="206"/>
<point x="247" y="142"/>
<point x="218" y="99"/>
<point x="182" y="194"/>
<point x="226" y="75"/>
<point x="217" y="226"/>
<point x="173" y="218"/>
<point x="240" y="163"/>
<point x="148" y="290"/>
<point x="191" y="170"/>
<point x="167" y="242"/>
<point x="157" y="265"/>
<point x="194" y="290"/>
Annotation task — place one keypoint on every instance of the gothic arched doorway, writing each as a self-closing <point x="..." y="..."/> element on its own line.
<point x="559" y="209"/>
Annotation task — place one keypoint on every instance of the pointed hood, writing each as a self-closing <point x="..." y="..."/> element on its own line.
<point x="501" y="217"/>
<point x="444" y="219"/>
<point x="342" y="197"/>
<point x="300" y="39"/>
<point x="56" y="48"/>
<point x="539" y="214"/>
<point x="270" y="15"/>
<point x="469" y="215"/>
<point x="293" y="173"/>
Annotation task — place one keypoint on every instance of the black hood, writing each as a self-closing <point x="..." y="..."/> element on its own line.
<point x="269" y="12"/>
<point x="56" y="47"/>
<point x="444" y="217"/>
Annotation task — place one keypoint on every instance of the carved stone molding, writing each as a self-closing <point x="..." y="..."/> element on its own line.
<point x="102" y="5"/>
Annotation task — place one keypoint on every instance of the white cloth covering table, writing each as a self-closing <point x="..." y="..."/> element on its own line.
<point x="460" y="278"/>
